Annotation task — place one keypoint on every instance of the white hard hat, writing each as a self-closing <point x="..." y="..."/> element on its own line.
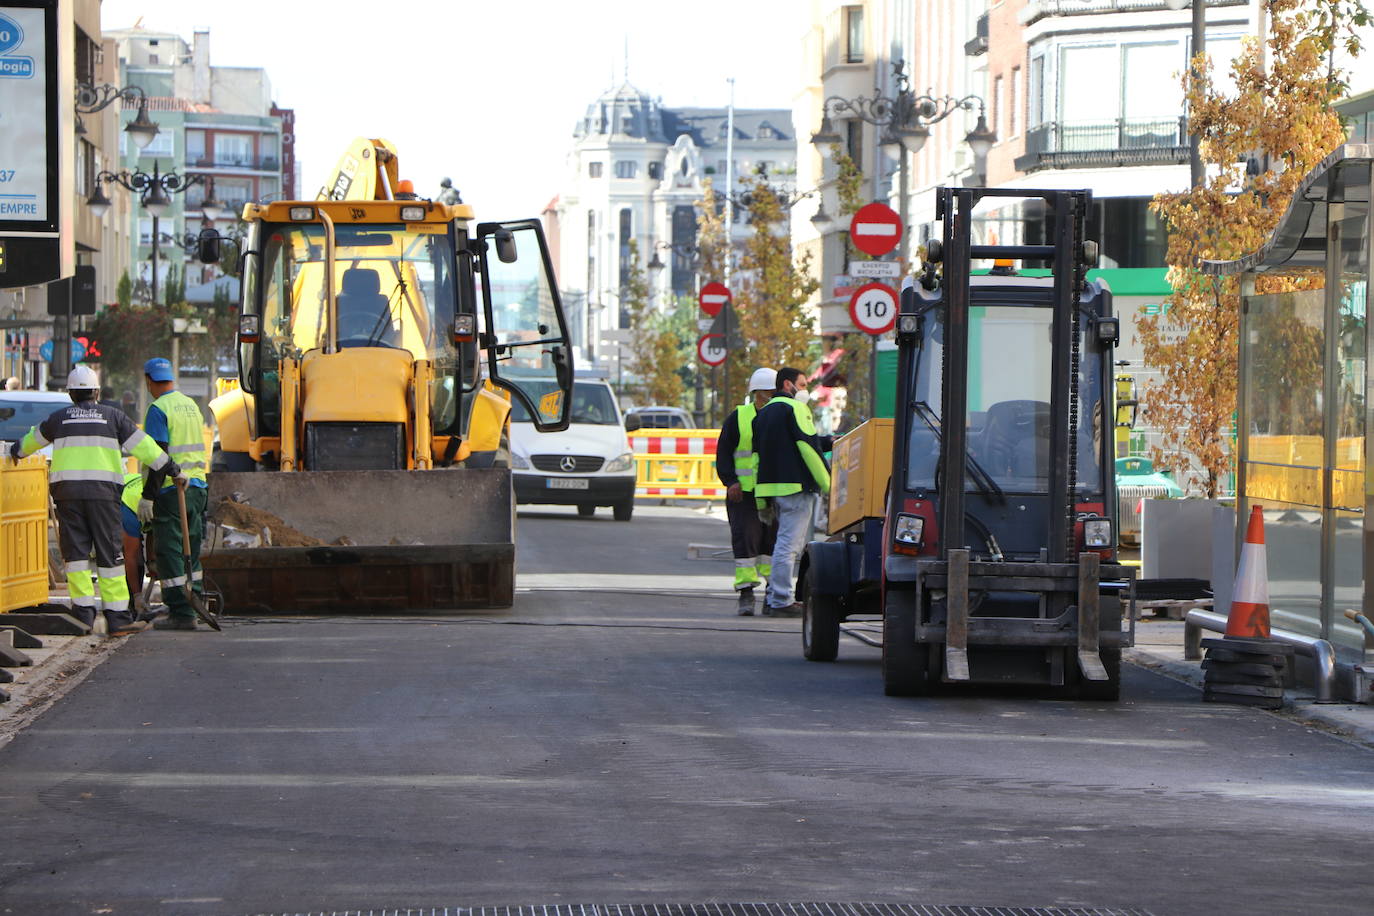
<point x="83" y="378"/>
<point x="763" y="380"/>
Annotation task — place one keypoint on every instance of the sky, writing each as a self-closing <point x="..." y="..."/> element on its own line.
<point x="483" y="91"/>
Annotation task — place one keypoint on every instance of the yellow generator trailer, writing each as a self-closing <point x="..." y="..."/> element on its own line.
<point x="374" y="338"/>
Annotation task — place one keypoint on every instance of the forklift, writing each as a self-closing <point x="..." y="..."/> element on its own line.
<point x="990" y="555"/>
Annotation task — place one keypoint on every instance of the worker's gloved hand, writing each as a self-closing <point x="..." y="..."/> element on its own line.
<point x="145" y="510"/>
<point x="181" y="477"/>
<point x="13" y="451"/>
<point x="734" y="493"/>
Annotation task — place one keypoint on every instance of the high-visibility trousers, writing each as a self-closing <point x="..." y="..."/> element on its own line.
<point x="751" y="541"/>
<point x="87" y="526"/>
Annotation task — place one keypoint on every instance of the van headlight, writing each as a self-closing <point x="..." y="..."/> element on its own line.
<point x="621" y="463"/>
<point x="1097" y="533"/>
<point x="519" y="461"/>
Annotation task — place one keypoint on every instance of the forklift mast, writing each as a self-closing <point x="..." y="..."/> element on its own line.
<point x="1068" y="264"/>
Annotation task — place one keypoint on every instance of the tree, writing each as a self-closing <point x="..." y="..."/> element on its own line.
<point x="1281" y="115"/>
<point x="128" y="335"/>
<point x="124" y="290"/>
<point x="653" y="345"/>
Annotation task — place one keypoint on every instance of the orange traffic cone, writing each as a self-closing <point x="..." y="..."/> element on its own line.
<point x="1250" y="602"/>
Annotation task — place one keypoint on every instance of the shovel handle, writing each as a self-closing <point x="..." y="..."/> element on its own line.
<point x="185" y="528"/>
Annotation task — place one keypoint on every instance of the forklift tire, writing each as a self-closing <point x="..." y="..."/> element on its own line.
<point x="820" y="624"/>
<point x="1108" y="691"/>
<point x="906" y="666"/>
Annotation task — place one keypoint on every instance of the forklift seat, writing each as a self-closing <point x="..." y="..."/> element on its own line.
<point x="1016" y="439"/>
<point x="362" y="307"/>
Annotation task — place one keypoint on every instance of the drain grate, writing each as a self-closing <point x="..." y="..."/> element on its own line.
<point x="734" y="909"/>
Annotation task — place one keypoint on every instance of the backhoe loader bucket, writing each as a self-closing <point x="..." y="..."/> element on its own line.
<point x="394" y="542"/>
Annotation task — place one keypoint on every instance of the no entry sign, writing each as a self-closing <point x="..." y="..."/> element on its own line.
<point x="712" y="298"/>
<point x="711" y="349"/>
<point x="873" y="308"/>
<point x="875" y="229"/>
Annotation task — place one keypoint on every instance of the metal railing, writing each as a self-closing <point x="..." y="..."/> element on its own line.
<point x="1038" y="9"/>
<point x="1122" y="141"/>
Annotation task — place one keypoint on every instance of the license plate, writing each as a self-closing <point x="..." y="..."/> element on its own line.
<point x="567" y="483"/>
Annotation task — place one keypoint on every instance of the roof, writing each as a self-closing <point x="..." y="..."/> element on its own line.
<point x="1299" y="239"/>
<point x="708" y="126"/>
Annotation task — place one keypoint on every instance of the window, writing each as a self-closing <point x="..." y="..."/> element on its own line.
<point x="999" y="107"/>
<point x="763" y="167"/>
<point x="684" y="244"/>
<point x="1147" y="90"/>
<point x="235" y="192"/>
<point x="854" y="141"/>
<point x="656" y="170"/>
<point x="1037" y="92"/>
<point x="234" y="150"/>
<point x="593" y="170"/>
<point x="853" y="34"/>
<point x="152" y="58"/>
<point x="195" y="146"/>
<point x="626" y="262"/>
<point x="1014" y="108"/>
<point x="626" y="169"/>
<point x="1082" y="72"/>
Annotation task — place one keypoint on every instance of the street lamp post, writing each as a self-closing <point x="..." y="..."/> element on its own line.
<point x="905" y="120"/>
<point x="90" y="99"/>
<point x="155" y="193"/>
<point x="1199" y="22"/>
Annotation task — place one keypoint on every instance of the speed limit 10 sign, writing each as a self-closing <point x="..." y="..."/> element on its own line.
<point x="711" y="349"/>
<point x="873" y="308"/>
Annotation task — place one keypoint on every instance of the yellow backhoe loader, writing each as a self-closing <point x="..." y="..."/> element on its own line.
<point x="376" y="330"/>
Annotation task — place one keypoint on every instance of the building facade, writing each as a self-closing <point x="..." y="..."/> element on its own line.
<point x="217" y="124"/>
<point x="635" y="172"/>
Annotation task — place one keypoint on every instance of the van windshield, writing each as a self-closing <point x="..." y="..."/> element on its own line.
<point x="591" y="402"/>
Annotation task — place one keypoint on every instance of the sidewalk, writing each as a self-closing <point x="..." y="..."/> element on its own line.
<point x="62" y="663"/>
<point x="1159" y="647"/>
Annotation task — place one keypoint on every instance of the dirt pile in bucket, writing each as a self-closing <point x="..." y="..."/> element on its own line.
<point x="270" y="528"/>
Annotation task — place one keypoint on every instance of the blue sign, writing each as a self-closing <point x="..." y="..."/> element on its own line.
<point x="78" y="351"/>
<point x="11" y="35"/>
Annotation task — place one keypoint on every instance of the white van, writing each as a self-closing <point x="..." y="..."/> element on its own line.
<point x="587" y="465"/>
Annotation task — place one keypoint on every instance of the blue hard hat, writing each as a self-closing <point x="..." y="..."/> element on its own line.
<point x="158" y="369"/>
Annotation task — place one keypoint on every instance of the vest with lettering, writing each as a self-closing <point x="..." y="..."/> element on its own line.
<point x="88" y="443"/>
<point x="185" y="435"/>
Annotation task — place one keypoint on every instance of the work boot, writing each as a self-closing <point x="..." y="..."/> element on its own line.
<point x="175" y="622"/>
<point x="746" y="602"/>
<point x="792" y="610"/>
<point x="123" y="623"/>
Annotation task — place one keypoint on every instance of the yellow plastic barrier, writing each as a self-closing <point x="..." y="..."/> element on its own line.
<point x="676" y="463"/>
<point x="23" y="533"/>
<point x="1287" y="469"/>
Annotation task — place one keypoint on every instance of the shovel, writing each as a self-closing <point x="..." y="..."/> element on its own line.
<point x="196" y="603"/>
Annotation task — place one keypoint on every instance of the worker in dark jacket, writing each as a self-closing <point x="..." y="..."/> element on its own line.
<point x="750" y="539"/>
<point x="88" y="442"/>
<point x="792" y="475"/>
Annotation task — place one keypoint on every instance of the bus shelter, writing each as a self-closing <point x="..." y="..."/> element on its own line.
<point x="1303" y="408"/>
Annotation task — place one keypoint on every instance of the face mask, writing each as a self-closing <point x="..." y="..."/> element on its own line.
<point x="801" y="396"/>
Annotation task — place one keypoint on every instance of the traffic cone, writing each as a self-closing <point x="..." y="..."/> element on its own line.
<point x="1250" y="601"/>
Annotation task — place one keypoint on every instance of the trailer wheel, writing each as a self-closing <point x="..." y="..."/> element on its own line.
<point x="1108" y="691"/>
<point x="906" y="666"/>
<point x="820" y="623"/>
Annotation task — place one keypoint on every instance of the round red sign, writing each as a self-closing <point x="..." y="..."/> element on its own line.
<point x="875" y="229"/>
<point x="711" y="349"/>
<point x="873" y="308"/>
<point x="713" y="297"/>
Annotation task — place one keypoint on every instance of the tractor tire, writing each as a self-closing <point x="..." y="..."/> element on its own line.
<point x="820" y="623"/>
<point x="906" y="666"/>
<point x="586" y="511"/>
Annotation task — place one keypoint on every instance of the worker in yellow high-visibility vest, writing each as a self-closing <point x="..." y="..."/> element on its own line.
<point x="751" y="540"/>
<point x="86" y="475"/>
<point x="176" y="423"/>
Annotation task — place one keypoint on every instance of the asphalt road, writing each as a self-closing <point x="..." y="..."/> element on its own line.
<point x="620" y="737"/>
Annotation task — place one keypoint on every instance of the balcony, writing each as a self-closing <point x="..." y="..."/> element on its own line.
<point x="978" y="44"/>
<point x="1039" y="9"/>
<point x="1099" y="144"/>
<point x="252" y="163"/>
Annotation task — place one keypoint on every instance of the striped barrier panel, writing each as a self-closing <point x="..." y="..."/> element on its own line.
<point x="676" y="464"/>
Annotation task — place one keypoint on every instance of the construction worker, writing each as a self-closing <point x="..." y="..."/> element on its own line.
<point x="791" y="475"/>
<point x="129" y="497"/>
<point x="175" y="422"/>
<point x="86" y="476"/>
<point x="750" y="539"/>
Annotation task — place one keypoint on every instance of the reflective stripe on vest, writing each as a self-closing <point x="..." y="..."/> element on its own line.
<point x="185" y="433"/>
<point x="746" y="461"/>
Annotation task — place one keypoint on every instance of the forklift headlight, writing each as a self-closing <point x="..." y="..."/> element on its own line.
<point x="412" y="214"/>
<point x="1097" y="533"/>
<point x="464" y="328"/>
<point x="907" y="535"/>
<point x="1108" y="330"/>
<point x="908" y="325"/>
<point x="302" y="214"/>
